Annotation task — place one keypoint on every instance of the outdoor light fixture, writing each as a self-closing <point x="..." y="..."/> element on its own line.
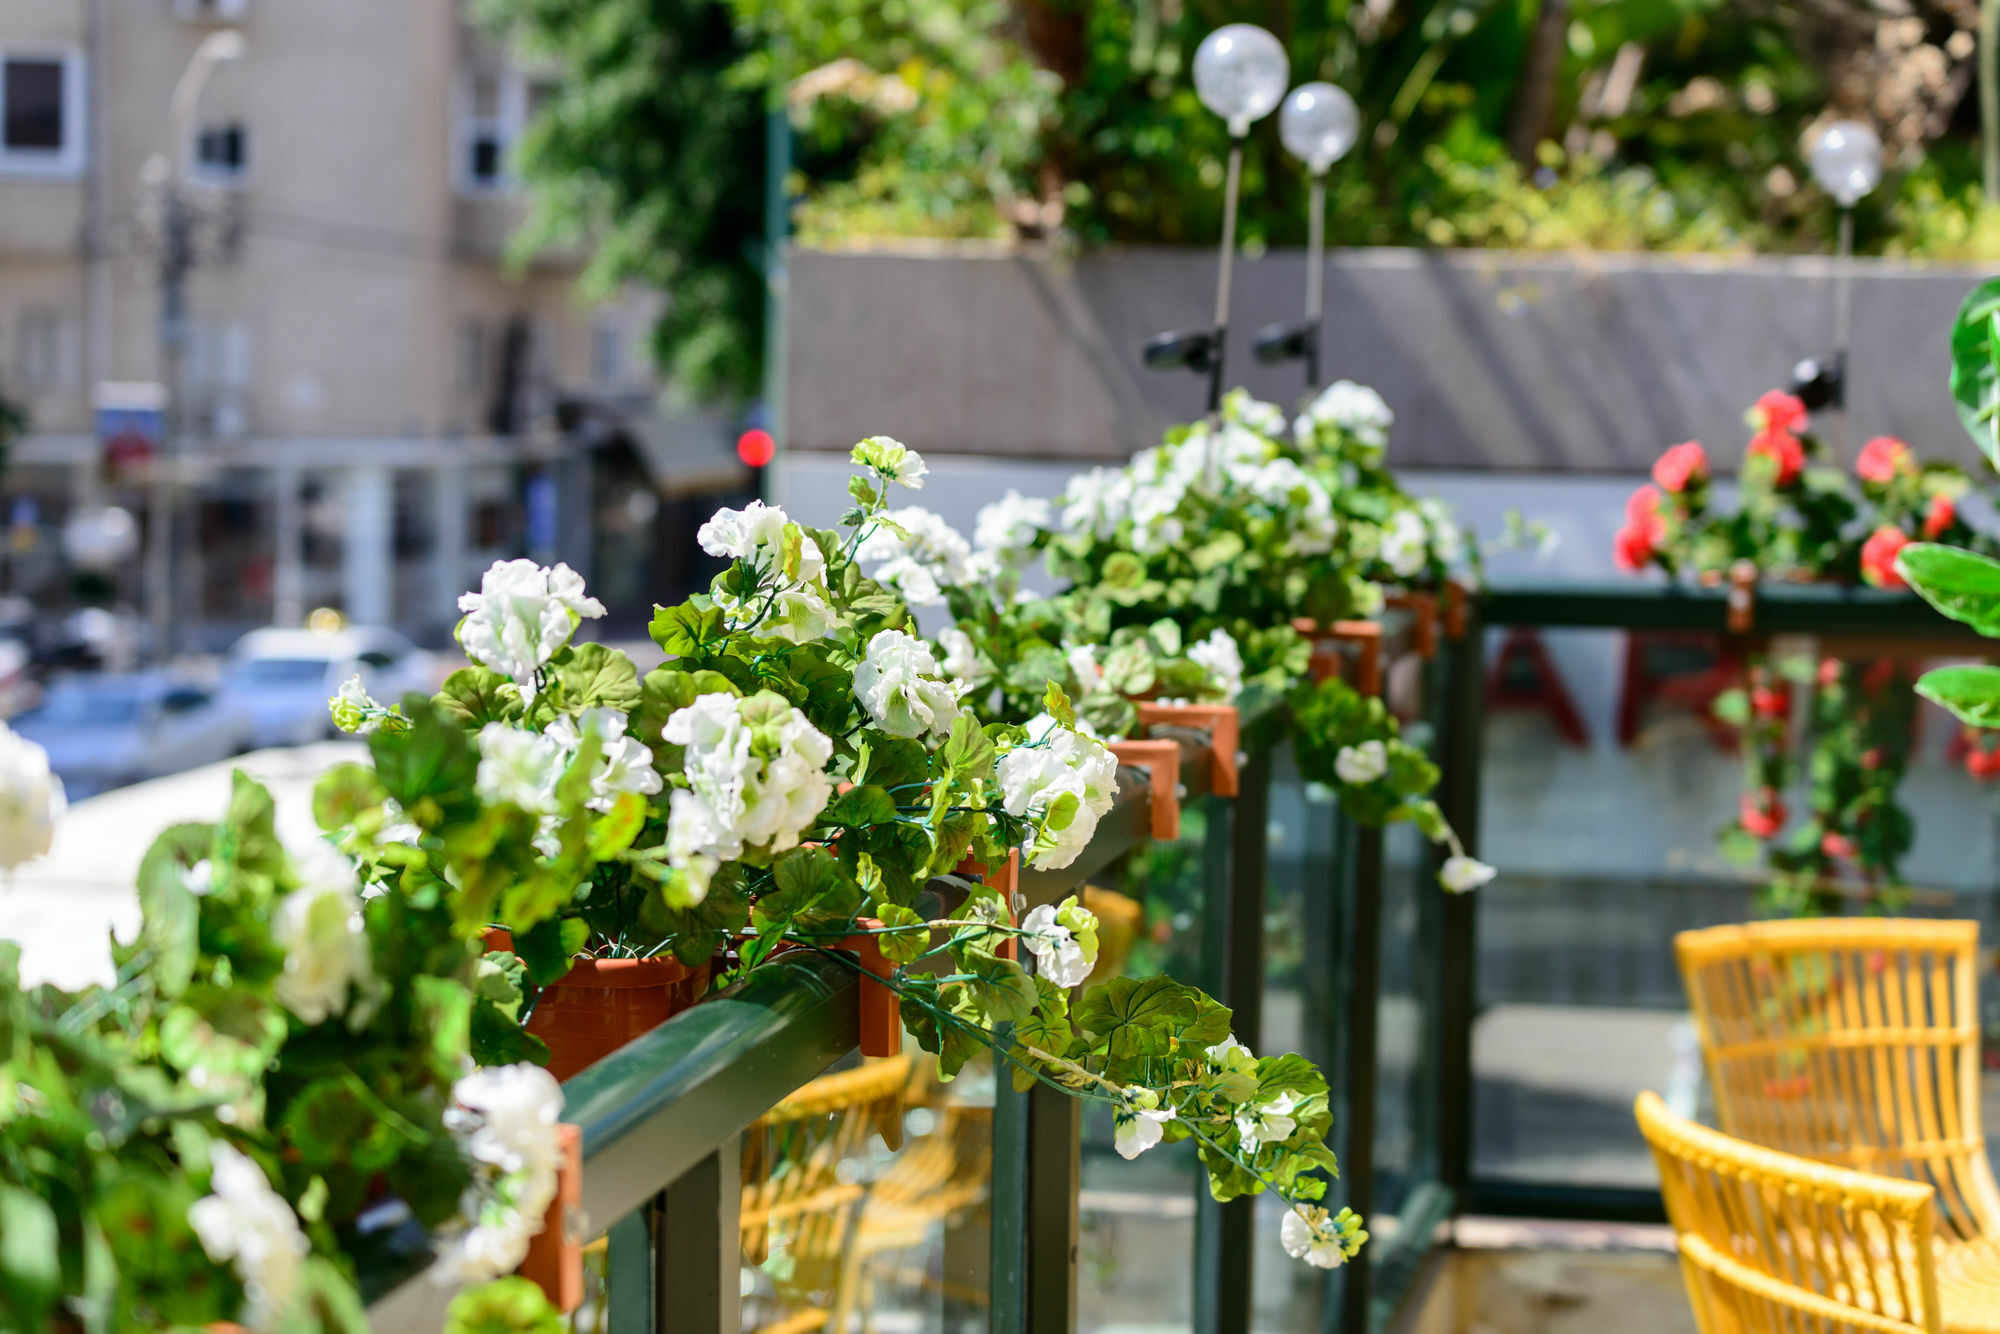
<point x="1318" y="125"/>
<point x="1240" y="73"/>
<point x="1846" y="161"/>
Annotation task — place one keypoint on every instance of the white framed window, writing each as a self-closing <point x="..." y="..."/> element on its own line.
<point x="608" y="341"/>
<point x="221" y="152"/>
<point x="41" y="110"/>
<point x="41" y="363"/>
<point x="492" y="108"/>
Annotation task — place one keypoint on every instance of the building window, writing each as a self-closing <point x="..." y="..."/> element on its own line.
<point x="41" y="112"/>
<point x="475" y="356"/>
<point x="607" y="350"/>
<point x="222" y="152"/>
<point x="38" y="349"/>
<point x="494" y="106"/>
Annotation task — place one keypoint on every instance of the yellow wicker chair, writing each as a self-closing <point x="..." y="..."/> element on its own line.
<point x="1853" y="1042"/>
<point x="1774" y="1243"/>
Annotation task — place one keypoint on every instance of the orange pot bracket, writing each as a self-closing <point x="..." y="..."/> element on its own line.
<point x="1423" y="609"/>
<point x="1366" y="639"/>
<point x="1162" y="762"/>
<point x="1224" y="726"/>
<point x="555" y="1255"/>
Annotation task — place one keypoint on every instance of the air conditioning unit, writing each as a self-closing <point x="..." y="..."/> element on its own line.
<point x="212" y="11"/>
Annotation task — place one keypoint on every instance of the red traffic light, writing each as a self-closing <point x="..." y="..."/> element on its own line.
<point x="756" y="447"/>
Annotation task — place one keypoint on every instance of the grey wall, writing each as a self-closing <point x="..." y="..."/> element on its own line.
<point x="1490" y="359"/>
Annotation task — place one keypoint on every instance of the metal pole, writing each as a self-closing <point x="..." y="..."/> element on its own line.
<point x="1229" y="190"/>
<point x="165" y="497"/>
<point x="1843" y="304"/>
<point x="1315" y="276"/>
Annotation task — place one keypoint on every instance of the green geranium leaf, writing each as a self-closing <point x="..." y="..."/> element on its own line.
<point x="1136" y="1018"/>
<point x="344" y="794"/>
<point x="549" y="948"/>
<point x="597" y="676"/>
<point x="904" y="946"/>
<point x="30" y="1257"/>
<point x="475" y="696"/>
<point x="1975" y="366"/>
<point x="170" y="911"/>
<point x="1961" y="584"/>
<point x="614" y="831"/>
<point x="689" y="630"/>
<point x="699" y="930"/>
<point x="1971" y="693"/>
<point x="868" y="804"/>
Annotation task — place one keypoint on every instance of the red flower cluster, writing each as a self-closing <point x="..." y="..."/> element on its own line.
<point x="1771" y="701"/>
<point x="1883" y="459"/>
<point x="1941" y="515"/>
<point x="1981" y="761"/>
<point x="1778" y="417"/>
<point x="1779" y="411"/>
<point x="1644" y="531"/>
<point x="1761" y="814"/>
<point x="1682" y="466"/>
<point x="1835" y="844"/>
<point x="1878" y="557"/>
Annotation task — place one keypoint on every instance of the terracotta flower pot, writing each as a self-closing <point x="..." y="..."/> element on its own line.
<point x="599" y="1005"/>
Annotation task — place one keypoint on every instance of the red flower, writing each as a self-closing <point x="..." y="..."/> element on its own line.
<point x="1784" y="450"/>
<point x="1880" y="675"/>
<point x="1833" y="844"/>
<point x="1878" y="557"/>
<point x="1829" y="672"/>
<point x="1680" y="465"/>
<point x="1644" y="531"/>
<point x="1882" y="459"/>
<point x="1779" y="411"/>
<point x="1871" y="758"/>
<point x="1941" y="515"/>
<point x="1982" y="763"/>
<point x="1770" y="701"/>
<point x="1761" y="814"/>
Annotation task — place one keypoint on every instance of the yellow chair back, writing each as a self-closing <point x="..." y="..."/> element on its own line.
<point x="1771" y="1243"/>
<point x="1850" y="1041"/>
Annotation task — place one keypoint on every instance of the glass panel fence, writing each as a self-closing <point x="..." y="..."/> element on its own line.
<point x="1612" y="774"/>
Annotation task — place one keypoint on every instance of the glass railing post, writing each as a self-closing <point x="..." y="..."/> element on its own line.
<point x="1236" y="863"/>
<point x="1461" y="747"/>
<point x="1009" y="1207"/>
<point x="698" y="1247"/>
<point x="1363" y="988"/>
<point x="628" y="1273"/>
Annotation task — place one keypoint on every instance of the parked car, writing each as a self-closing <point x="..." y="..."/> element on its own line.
<point x="284" y="677"/>
<point x="103" y="731"/>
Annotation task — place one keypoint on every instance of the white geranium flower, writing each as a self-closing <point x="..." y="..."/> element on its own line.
<point x="893" y="459"/>
<point x="927" y="558"/>
<point x="1219" y="656"/>
<point x="519" y="767"/>
<point x="504" y="1118"/>
<point x="1063" y="782"/>
<point x="1447" y="542"/>
<point x="1462" y="874"/>
<point x="1011" y="522"/>
<point x="1353" y="408"/>
<point x="31" y="799"/>
<point x="1405" y="544"/>
<point x="1084" y="666"/>
<point x="1308" y="1233"/>
<point x="521" y="616"/>
<point x="327" y="959"/>
<point x="351" y="707"/>
<point x="242" y="1222"/>
<point x="961" y="659"/>
<point x="1266" y="419"/>
<point x="791" y="601"/>
<point x="1059" y="955"/>
<point x="1137" y="1129"/>
<point x="1228" y="1054"/>
<point x="1267" y="1122"/>
<point x="756" y="773"/>
<point x="624" y="764"/>
<point x="1096" y="502"/>
<point x="900" y="683"/>
<point x="1363" y="763"/>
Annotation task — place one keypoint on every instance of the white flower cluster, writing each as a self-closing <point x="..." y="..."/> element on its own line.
<point x="896" y="461"/>
<point x="1462" y="874"/>
<point x="1008" y="525"/>
<point x="1208" y="465"/>
<point x="31" y="799"/>
<point x="1219" y="656"/>
<point x="1414" y="536"/>
<point x="1351" y="407"/>
<point x="1362" y="763"/>
<point x="521" y="617"/>
<point x="961" y="659"/>
<point x="1266" y="419"/>
<point x="329" y="969"/>
<point x="522" y="768"/>
<point x="756" y="772"/>
<point x="1138" y="1125"/>
<point x="1063" y="939"/>
<point x="504" y="1118"/>
<point x="928" y="556"/>
<point x="900" y="684"/>
<point x="1309" y="1233"/>
<point x="244" y="1223"/>
<point x="790" y="602"/>
<point x="1064" y="782"/>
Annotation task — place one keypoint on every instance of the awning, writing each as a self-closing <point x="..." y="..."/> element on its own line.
<point x="685" y="454"/>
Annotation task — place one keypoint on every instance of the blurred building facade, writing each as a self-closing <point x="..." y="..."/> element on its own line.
<point x="374" y="404"/>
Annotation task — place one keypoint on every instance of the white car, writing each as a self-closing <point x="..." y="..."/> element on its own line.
<point x="284" y="677"/>
<point x="103" y="731"/>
